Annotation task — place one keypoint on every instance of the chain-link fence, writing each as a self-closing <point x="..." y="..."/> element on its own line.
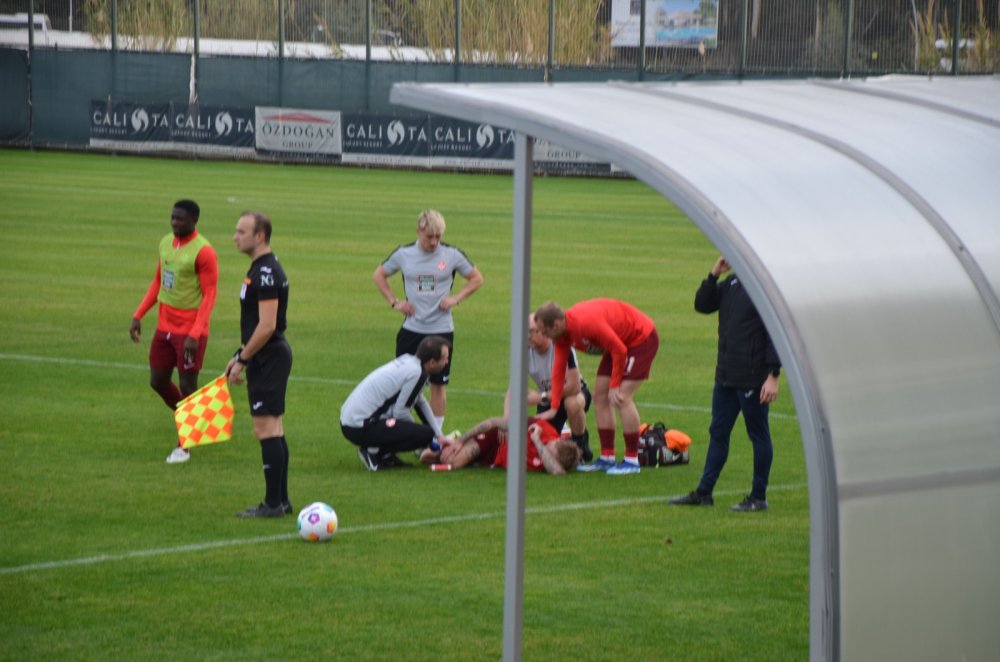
<point x="655" y="37"/>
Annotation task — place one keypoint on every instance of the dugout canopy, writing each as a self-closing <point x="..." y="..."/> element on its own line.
<point x="864" y="220"/>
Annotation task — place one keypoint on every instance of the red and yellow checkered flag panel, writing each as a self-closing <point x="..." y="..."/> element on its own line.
<point x="205" y="416"/>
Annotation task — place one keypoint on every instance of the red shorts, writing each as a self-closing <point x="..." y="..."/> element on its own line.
<point x="638" y="359"/>
<point x="167" y="351"/>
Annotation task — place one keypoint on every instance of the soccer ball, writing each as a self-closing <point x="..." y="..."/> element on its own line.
<point x="317" y="522"/>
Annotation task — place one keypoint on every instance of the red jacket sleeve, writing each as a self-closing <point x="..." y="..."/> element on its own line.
<point x="207" y="267"/>
<point x="151" y="294"/>
<point x="560" y="357"/>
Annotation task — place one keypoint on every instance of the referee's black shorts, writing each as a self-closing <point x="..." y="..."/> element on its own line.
<point x="407" y="342"/>
<point x="267" y="378"/>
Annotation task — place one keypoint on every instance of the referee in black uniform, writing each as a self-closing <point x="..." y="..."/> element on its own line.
<point x="266" y="357"/>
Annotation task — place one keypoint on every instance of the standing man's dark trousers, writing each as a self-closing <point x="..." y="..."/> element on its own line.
<point x="727" y="404"/>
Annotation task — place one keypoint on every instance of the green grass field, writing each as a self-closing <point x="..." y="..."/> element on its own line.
<point x="106" y="552"/>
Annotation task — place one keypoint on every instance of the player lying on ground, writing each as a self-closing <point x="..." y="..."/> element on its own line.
<point x="485" y="445"/>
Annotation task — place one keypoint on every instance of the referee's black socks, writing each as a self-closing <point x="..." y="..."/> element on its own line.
<point x="284" y="472"/>
<point x="272" y="453"/>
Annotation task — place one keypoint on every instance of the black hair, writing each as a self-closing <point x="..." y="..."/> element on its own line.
<point x="190" y="206"/>
<point x="430" y="347"/>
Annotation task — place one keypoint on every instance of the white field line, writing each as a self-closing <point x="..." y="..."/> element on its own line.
<point x="340" y="382"/>
<point x="385" y="526"/>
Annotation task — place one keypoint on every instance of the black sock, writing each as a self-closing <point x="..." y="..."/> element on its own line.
<point x="274" y="467"/>
<point x="284" y="473"/>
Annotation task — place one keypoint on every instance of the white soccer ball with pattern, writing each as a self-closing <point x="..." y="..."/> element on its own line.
<point x="317" y="522"/>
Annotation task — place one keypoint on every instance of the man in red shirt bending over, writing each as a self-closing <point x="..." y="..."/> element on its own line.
<point x="626" y="339"/>
<point x="185" y="284"/>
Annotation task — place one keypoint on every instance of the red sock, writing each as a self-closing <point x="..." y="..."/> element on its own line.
<point x="607" y="442"/>
<point x="631" y="445"/>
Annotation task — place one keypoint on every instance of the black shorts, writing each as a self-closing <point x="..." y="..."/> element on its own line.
<point x="267" y="378"/>
<point x="407" y="342"/>
<point x="559" y="420"/>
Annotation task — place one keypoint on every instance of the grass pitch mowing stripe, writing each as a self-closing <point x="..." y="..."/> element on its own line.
<point x="257" y="540"/>
<point x="340" y="382"/>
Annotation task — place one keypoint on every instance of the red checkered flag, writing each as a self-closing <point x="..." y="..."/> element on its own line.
<point x="205" y="416"/>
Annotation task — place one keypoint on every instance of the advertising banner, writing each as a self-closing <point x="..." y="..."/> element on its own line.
<point x="669" y="23"/>
<point x="441" y="142"/>
<point x="296" y="131"/>
<point x="458" y="139"/>
<point x="145" y="124"/>
<point x="551" y="158"/>
<point x="134" y="126"/>
<point x="420" y="141"/>
<point x="218" y="126"/>
<point x="386" y="139"/>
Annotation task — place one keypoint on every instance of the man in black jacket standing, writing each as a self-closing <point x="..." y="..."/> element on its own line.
<point x="746" y="380"/>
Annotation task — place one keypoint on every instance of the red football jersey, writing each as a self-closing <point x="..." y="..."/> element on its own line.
<point x="534" y="462"/>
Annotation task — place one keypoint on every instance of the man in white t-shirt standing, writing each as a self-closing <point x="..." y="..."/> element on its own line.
<point x="428" y="268"/>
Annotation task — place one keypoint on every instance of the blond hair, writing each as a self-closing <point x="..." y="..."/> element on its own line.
<point x="431" y="219"/>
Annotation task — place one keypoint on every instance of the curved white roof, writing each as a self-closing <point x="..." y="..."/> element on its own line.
<point x="864" y="219"/>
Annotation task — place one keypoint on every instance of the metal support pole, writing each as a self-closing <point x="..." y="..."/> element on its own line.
<point x="281" y="52"/>
<point x="31" y="29"/>
<point x="31" y="53"/>
<point x="281" y="29"/>
<point x="114" y="25"/>
<point x="197" y="52"/>
<point x="955" y="37"/>
<point x="457" y="55"/>
<point x="368" y="54"/>
<point x="641" y="64"/>
<point x="741" y="66"/>
<point x="368" y="30"/>
<point x="845" y="69"/>
<point x="550" y="57"/>
<point x="114" y="48"/>
<point x="513" y="594"/>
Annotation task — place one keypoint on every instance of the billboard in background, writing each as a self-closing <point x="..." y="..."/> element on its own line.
<point x="146" y="124"/>
<point x="460" y="140"/>
<point x="552" y="158"/>
<point x="386" y="139"/>
<point x="408" y="141"/>
<point x="424" y="141"/>
<point x="295" y="131"/>
<point x="133" y="126"/>
<point x="219" y="126"/>
<point x="669" y="23"/>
